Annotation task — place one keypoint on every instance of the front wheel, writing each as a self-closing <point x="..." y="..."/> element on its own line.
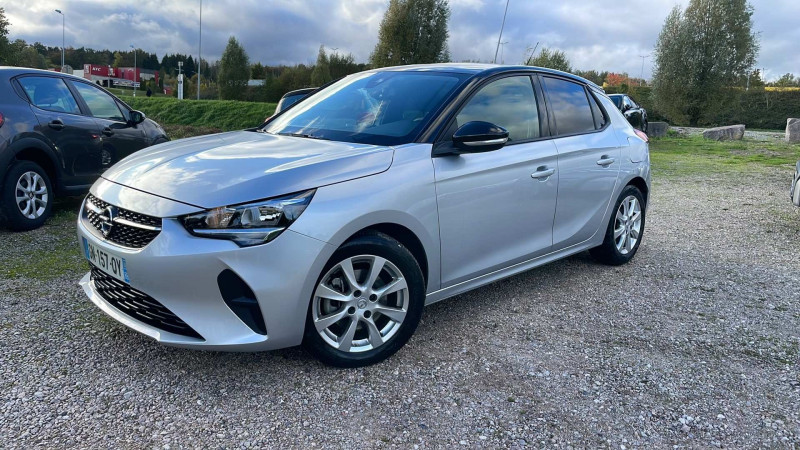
<point x="27" y="196"/>
<point x="625" y="229"/>
<point x="367" y="303"/>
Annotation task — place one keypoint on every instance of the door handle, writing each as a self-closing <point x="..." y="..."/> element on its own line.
<point x="56" y="125"/>
<point x="107" y="131"/>
<point x="605" y="161"/>
<point x="542" y="173"/>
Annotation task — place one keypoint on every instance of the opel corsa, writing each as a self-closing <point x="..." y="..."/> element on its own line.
<point x="335" y="222"/>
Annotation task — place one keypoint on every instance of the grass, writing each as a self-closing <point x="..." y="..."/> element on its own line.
<point x="47" y="253"/>
<point x="225" y="115"/>
<point x="677" y="155"/>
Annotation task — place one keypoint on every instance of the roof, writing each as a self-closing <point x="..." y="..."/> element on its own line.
<point x="14" y="71"/>
<point x="483" y="70"/>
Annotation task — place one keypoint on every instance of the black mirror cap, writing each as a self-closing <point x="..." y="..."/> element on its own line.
<point x="479" y="136"/>
<point x="137" y="117"/>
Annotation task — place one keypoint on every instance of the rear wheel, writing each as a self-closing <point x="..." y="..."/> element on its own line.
<point x="27" y="196"/>
<point x="625" y="229"/>
<point x="367" y="302"/>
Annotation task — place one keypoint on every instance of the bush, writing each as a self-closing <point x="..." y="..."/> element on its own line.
<point x="220" y="114"/>
<point x="756" y="108"/>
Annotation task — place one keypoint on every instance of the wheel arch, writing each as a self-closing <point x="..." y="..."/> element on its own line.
<point x="640" y="184"/>
<point x="406" y="237"/>
<point x="33" y="150"/>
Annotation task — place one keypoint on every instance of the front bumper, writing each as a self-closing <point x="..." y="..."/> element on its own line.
<point x="181" y="272"/>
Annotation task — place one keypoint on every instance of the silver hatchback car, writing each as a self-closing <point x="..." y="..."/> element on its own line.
<point x="339" y="219"/>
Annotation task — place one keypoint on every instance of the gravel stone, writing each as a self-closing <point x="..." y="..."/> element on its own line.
<point x="680" y="348"/>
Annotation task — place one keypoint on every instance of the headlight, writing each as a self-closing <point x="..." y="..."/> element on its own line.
<point x="252" y="223"/>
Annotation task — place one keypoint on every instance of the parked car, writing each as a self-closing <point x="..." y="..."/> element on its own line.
<point x="292" y="97"/>
<point x="636" y="115"/>
<point x="57" y="134"/>
<point x="334" y="223"/>
<point x="794" y="192"/>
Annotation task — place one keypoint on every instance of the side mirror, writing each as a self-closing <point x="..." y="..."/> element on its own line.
<point x="137" y="117"/>
<point x="626" y="107"/>
<point x="476" y="137"/>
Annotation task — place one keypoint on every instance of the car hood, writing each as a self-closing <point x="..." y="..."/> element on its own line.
<point x="242" y="166"/>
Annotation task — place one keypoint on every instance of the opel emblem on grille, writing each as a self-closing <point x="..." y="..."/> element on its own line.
<point x="107" y="220"/>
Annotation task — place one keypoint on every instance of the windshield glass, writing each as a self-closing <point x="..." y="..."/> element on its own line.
<point x="379" y="108"/>
<point x="617" y="99"/>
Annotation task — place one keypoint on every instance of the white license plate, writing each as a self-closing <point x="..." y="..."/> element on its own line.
<point x="107" y="262"/>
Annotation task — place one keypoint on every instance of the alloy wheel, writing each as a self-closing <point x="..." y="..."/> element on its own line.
<point x="628" y="225"/>
<point x="360" y="303"/>
<point x="31" y="195"/>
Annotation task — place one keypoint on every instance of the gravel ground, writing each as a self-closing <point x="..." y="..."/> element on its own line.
<point x="694" y="344"/>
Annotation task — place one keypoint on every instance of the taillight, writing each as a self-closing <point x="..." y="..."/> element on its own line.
<point x="2" y="119"/>
<point x="642" y="135"/>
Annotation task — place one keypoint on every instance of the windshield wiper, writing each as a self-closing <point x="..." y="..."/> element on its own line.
<point x="302" y="135"/>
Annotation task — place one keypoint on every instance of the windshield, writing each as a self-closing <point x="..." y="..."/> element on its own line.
<point x="617" y="99"/>
<point x="379" y="108"/>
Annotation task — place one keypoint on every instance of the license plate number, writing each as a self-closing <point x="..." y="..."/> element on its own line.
<point x="107" y="262"/>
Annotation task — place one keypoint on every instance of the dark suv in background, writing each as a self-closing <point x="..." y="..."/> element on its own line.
<point x="635" y="113"/>
<point x="58" y="133"/>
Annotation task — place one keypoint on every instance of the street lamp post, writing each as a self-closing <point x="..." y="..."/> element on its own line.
<point x="641" y="73"/>
<point x="501" y="33"/>
<point x="134" y="70"/>
<point x="62" y="38"/>
<point x="200" y="49"/>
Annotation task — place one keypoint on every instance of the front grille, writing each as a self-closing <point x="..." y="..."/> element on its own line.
<point x="139" y="305"/>
<point x="128" y="229"/>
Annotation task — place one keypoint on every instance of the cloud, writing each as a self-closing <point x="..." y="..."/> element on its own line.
<point x="595" y="34"/>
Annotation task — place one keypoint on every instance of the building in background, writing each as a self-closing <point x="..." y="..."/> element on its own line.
<point x="109" y="76"/>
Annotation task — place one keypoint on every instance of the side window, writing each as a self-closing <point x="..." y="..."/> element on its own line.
<point x="508" y="102"/>
<point x="599" y="118"/>
<point x="570" y="106"/>
<point x="50" y="93"/>
<point x="101" y="105"/>
<point x="627" y="103"/>
<point x="633" y="103"/>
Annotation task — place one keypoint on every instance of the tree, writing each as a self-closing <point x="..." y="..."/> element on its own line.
<point x="4" y="45"/>
<point x="412" y="32"/>
<point x="234" y="71"/>
<point x="787" y="80"/>
<point x="550" y="59"/>
<point x="700" y="55"/>
<point x="322" y="71"/>
<point x="258" y="71"/>
<point x="617" y="79"/>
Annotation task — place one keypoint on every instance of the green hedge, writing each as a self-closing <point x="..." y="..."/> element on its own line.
<point x="754" y="108"/>
<point x="221" y="114"/>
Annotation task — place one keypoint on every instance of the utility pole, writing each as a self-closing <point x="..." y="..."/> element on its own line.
<point x="134" y="70"/>
<point x="502" y="48"/>
<point x="501" y="33"/>
<point x="200" y="49"/>
<point x="641" y="74"/>
<point x="62" y="38"/>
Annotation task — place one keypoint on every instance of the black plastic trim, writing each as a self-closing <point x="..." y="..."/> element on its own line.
<point x="241" y="300"/>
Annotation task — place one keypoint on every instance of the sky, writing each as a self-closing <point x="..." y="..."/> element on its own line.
<point x="601" y="35"/>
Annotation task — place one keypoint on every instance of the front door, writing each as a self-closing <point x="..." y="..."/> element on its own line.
<point x="492" y="211"/>
<point x="120" y="137"/>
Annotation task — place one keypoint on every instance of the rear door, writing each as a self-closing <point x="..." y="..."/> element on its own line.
<point x="120" y="137"/>
<point x="588" y="161"/>
<point x="76" y="138"/>
<point x="492" y="211"/>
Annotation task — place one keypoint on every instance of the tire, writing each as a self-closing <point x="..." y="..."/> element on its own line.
<point x="618" y="250"/>
<point x="354" y="331"/>
<point x="644" y="126"/>
<point x="21" y="216"/>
